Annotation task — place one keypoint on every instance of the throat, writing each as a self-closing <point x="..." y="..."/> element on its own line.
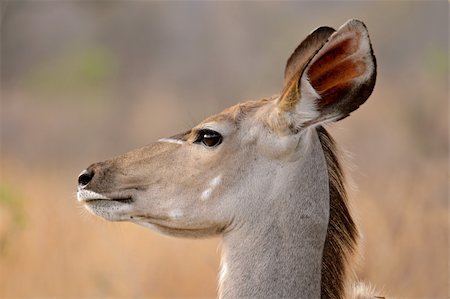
<point x="274" y="263"/>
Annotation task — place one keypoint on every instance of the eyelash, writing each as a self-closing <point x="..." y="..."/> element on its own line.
<point x="209" y="138"/>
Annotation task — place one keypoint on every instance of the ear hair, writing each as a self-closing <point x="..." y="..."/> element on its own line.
<point x="297" y="63"/>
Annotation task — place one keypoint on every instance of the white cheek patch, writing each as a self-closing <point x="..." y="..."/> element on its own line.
<point x="206" y="194"/>
<point x="173" y="141"/>
<point x="215" y="181"/>
<point x="211" y="186"/>
<point x="176" y="214"/>
<point x="83" y="195"/>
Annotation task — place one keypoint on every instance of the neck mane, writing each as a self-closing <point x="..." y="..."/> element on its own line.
<point x="342" y="234"/>
<point x="294" y="252"/>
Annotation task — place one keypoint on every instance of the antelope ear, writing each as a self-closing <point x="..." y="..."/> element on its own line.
<point x="329" y="75"/>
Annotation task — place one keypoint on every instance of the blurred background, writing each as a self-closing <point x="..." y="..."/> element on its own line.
<point x="82" y="81"/>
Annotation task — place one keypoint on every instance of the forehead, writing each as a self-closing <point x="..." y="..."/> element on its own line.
<point x="236" y="113"/>
<point x="231" y="116"/>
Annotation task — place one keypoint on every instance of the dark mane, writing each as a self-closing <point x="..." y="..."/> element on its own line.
<point x="340" y="242"/>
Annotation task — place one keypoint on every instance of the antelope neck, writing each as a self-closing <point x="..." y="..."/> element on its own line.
<point x="277" y="252"/>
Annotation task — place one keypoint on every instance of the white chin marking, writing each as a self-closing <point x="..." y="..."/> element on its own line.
<point x="83" y="195"/>
<point x="169" y="140"/>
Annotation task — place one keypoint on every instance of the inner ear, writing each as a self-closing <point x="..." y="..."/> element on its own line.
<point x="343" y="71"/>
<point x="332" y="71"/>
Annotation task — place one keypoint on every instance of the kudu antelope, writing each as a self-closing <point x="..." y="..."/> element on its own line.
<point x="264" y="175"/>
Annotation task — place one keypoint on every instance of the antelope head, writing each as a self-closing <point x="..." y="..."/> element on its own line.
<point x="208" y="180"/>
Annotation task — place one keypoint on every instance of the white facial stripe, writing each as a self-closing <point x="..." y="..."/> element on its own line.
<point x="212" y="185"/>
<point x="83" y="195"/>
<point x="169" y="140"/>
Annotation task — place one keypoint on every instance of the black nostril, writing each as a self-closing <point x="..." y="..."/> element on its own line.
<point x="85" y="177"/>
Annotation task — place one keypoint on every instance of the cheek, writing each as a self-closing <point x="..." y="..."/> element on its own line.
<point x="211" y="188"/>
<point x="176" y="214"/>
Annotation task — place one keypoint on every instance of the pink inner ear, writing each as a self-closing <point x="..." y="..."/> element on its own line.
<point x="331" y="74"/>
<point x="342" y="73"/>
<point x="332" y="56"/>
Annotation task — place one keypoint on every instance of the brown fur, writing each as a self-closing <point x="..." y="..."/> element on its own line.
<point x="236" y="112"/>
<point x="340" y="243"/>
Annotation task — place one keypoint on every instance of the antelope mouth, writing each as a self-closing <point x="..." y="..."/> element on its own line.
<point x="127" y="200"/>
<point x="111" y="207"/>
<point x="91" y="197"/>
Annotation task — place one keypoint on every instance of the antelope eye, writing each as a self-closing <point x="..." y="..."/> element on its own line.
<point x="209" y="138"/>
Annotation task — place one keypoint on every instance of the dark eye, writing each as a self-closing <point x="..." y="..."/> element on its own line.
<point x="209" y="138"/>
